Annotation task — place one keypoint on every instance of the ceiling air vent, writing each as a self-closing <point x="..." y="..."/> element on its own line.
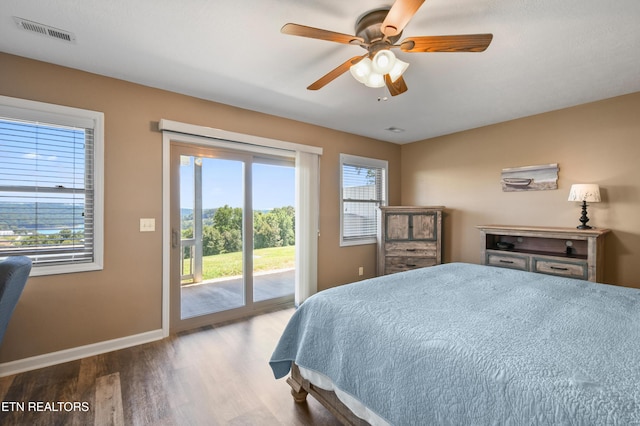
<point x="44" y="30"/>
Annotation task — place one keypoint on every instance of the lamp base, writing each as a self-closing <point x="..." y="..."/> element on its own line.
<point x="584" y="219"/>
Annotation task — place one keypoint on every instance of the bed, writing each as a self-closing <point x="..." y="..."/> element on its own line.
<point x="467" y="344"/>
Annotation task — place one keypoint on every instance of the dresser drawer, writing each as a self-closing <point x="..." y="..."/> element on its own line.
<point x="410" y="248"/>
<point x="398" y="264"/>
<point x="506" y="260"/>
<point x="560" y="267"/>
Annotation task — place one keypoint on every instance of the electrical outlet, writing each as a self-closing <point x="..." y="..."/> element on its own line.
<point x="361" y="271"/>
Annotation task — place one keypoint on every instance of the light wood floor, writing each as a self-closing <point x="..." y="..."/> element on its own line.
<point x="209" y="376"/>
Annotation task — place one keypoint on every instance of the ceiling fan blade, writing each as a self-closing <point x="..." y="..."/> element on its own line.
<point x="399" y="16"/>
<point x="451" y="43"/>
<point x="304" y="31"/>
<point x="395" y="87"/>
<point x="335" y="73"/>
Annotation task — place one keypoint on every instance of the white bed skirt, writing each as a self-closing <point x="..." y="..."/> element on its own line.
<point x="353" y="404"/>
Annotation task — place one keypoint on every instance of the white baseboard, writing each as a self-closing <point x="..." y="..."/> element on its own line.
<point x="53" y="358"/>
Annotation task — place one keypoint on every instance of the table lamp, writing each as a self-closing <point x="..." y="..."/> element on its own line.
<point x="584" y="192"/>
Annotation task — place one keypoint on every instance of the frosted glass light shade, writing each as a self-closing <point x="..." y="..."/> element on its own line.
<point x="375" y="80"/>
<point x="399" y="67"/>
<point x="371" y="72"/>
<point x="361" y="70"/>
<point x="589" y="192"/>
<point x="383" y="61"/>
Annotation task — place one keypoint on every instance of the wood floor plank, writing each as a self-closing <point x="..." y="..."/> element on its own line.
<point x="213" y="375"/>
<point x="5" y="384"/>
<point x="85" y="385"/>
<point x="108" y="402"/>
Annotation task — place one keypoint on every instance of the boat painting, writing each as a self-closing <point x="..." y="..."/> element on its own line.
<point x="530" y="178"/>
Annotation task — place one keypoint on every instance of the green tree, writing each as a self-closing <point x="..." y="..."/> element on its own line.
<point x="228" y="222"/>
<point x="211" y="241"/>
<point x="227" y="218"/>
<point x="222" y="231"/>
<point x="65" y="236"/>
<point x="275" y="228"/>
<point x="285" y="217"/>
<point x="187" y="233"/>
<point x="266" y="232"/>
<point x="231" y="241"/>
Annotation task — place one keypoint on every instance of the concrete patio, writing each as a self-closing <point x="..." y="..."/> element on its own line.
<point x="223" y="294"/>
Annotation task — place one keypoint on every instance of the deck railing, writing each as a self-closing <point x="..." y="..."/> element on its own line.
<point x="187" y="260"/>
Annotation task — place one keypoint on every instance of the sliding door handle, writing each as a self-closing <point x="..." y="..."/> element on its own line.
<point x="175" y="238"/>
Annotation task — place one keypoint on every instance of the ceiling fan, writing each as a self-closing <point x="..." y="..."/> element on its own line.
<point x="377" y="32"/>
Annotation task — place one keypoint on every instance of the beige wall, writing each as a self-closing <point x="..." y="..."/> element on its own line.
<point x="66" y="311"/>
<point x="592" y="143"/>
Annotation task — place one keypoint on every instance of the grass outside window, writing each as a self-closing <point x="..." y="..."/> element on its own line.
<point x="230" y="264"/>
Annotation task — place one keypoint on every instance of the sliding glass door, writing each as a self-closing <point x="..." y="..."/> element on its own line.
<point x="273" y="193"/>
<point x="233" y="238"/>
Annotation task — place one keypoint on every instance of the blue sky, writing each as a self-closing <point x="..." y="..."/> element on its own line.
<point x="273" y="186"/>
<point x="39" y="155"/>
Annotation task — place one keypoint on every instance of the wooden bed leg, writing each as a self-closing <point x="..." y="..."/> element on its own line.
<point x="299" y="396"/>
<point x="300" y="388"/>
<point x="297" y="389"/>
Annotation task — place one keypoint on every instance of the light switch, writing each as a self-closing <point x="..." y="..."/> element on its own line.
<point x="147" y="224"/>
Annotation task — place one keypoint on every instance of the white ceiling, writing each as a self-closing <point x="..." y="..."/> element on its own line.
<point x="545" y="55"/>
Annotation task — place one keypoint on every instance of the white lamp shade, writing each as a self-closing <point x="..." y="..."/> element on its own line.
<point x="399" y="67"/>
<point x="589" y="192"/>
<point x="361" y="70"/>
<point x="375" y="80"/>
<point x="383" y="61"/>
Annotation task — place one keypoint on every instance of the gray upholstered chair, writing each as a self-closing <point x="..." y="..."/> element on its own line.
<point x="14" y="272"/>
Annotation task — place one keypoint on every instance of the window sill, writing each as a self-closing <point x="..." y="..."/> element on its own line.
<point x="348" y="243"/>
<point x="65" y="269"/>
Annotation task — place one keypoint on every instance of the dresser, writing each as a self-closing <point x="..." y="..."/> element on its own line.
<point x="567" y="252"/>
<point x="408" y="238"/>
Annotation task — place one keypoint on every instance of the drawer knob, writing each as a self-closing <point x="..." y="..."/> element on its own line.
<point x="557" y="268"/>
<point x="506" y="261"/>
<point x="411" y="249"/>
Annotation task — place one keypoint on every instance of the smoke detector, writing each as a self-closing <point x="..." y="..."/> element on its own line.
<point x="44" y="30"/>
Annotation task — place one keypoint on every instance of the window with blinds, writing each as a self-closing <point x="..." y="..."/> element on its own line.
<point x="363" y="190"/>
<point x="50" y="186"/>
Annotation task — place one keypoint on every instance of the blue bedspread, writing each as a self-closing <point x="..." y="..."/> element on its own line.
<point x="468" y="344"/>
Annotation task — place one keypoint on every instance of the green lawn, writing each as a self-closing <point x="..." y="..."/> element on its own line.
<point x="230" y="264"/>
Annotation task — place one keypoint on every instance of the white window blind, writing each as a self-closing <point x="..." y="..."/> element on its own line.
<point x="363" y="189"/>
<point x="48" y="193"/>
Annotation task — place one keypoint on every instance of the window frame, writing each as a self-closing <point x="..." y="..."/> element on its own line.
<point x="46" y="113"/>
<point x="354" y="160"/>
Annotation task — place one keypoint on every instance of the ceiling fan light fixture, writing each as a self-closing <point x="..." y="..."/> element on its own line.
<point x="361" y="70"/>
<point x="398" y="69"/>
<point x="383" y="61"/>
<point x="378" y="31"/>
